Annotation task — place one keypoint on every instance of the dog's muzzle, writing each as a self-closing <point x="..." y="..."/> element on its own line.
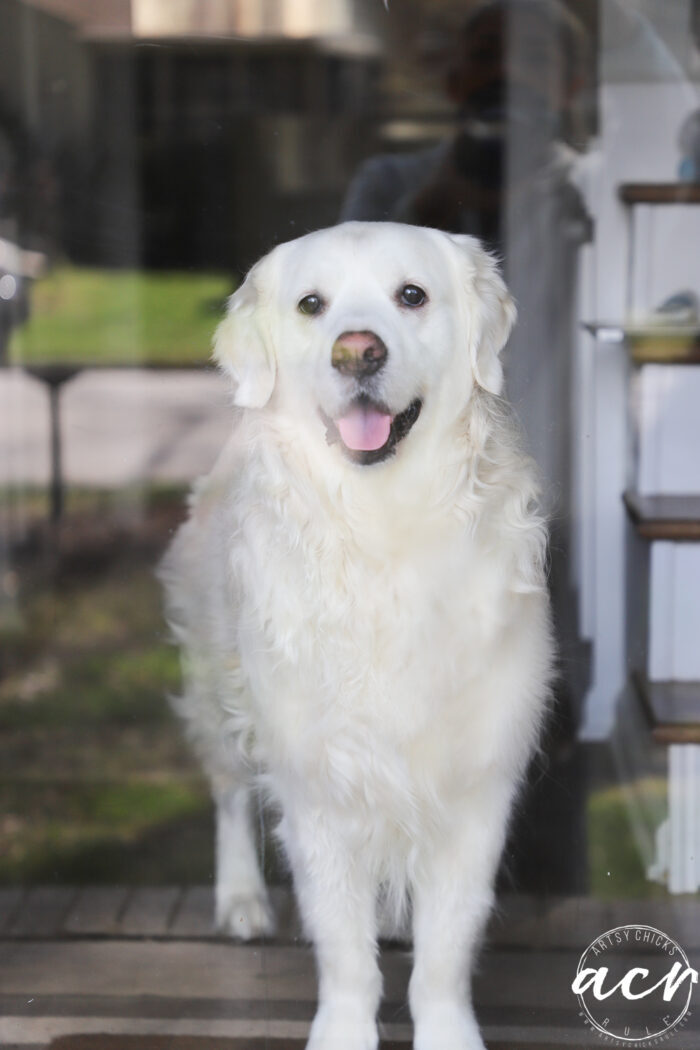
<point x="367" y="431"/>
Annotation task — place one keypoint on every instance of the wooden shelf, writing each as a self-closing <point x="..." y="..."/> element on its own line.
<point x="674" y="518"/>
<point x="660" y="192"/>
<point x="672" y="708"/>
<point x="651" y="344"/>
<point x="660" y="349"/>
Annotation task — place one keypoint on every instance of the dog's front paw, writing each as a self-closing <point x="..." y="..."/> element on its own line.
<point x="447" y="1026"/>
<point x="344" y="1026"/>
<point x="245" y="915"/>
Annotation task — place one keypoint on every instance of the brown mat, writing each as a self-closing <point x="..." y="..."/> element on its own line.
<point x="188" y="1042"/>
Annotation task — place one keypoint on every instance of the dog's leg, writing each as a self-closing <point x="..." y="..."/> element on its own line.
<point x="336" y="897"/>
<point x="242" y="904"/>
<point x="451" y="902"/>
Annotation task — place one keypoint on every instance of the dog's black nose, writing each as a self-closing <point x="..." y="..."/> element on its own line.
<point x="358" y="354"/>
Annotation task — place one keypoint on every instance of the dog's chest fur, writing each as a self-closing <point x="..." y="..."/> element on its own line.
<point x="365" y="645"/>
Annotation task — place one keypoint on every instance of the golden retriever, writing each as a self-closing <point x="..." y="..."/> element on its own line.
<point x="361" y="600"/>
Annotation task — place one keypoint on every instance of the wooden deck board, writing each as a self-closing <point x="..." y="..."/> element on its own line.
<point x="228" y="992"/>
<point x="9" y="906"/>
<point x="96" y="910"/>
<point x="43" y="912"/>
<point x="149" y="911"/>
<point x="201" y="992"/>
<point x="194" y="916"/>
<point x="170" y="913"/>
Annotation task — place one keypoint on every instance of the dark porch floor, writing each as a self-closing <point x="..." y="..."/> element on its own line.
<point x="145" y="962"/>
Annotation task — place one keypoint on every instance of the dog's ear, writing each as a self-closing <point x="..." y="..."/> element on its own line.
<point x="243" y="343"/>
<point x="491" y="311"/>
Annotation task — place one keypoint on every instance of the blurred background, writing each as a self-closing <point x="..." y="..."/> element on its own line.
<point x="150" y="152"/>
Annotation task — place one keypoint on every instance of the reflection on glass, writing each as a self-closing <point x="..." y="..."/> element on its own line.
<point x="150" y="152"/>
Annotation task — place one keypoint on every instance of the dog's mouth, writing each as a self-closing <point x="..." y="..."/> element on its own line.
<point x="368" y="432"/>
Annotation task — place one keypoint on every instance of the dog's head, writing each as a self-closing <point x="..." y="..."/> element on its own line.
<point x="367" y="331"/>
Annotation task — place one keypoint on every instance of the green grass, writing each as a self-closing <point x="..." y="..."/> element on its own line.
<point x="87" y="689"/>
<point x="88" y="316"/>
<point x="129" y="832"/>
<point x="615" y="865"/>
<point x="96" y="782"/>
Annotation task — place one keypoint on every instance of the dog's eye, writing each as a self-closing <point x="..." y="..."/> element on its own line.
<point x="310" y="304"/>
<point x="412" y="295"/>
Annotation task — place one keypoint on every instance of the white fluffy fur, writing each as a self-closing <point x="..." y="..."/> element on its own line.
<point x="373" y="641"/>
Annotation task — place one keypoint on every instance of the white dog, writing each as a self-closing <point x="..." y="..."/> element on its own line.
<point x="361" y="599"/>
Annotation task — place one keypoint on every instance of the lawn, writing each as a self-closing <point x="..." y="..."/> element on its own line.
<point x="96" y="783"/>
<point x="81" y="315"/>
<point x="614" y="862"/>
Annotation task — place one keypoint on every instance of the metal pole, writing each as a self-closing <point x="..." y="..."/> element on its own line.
<point x="56" y="491"/>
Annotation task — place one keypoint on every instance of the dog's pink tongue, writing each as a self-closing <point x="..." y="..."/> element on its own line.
<point x="364" y="429"/>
